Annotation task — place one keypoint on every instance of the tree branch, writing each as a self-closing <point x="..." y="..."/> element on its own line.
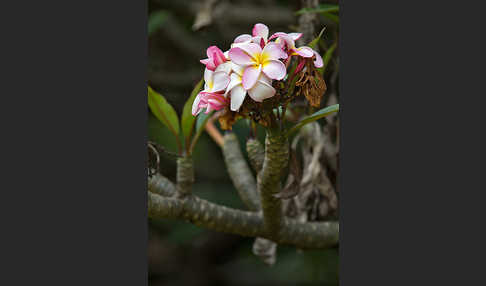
<point x="185" y="176"/>
<point x="256" y="154"/>
<point x="262" y="247"/>
<point x="223" y="219"/>
<point x="275" y="162"/>
<point x="240" y="173"/>
<point x="160" y="185"/>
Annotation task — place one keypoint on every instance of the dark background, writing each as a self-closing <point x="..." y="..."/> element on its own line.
<point x="180" y="253"/>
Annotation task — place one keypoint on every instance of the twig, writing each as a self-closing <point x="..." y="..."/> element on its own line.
<point x="213" y="131"/>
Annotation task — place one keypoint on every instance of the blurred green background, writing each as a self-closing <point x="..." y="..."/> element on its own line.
<point x="178" y="252"/>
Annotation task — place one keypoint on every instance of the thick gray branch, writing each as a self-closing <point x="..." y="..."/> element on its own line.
<point x="275" y="162"/>
<point x="185" y="176"/>
<point x="161" y="185"/>
<point x="239" y="172"/>
<point x="223" y="219"/>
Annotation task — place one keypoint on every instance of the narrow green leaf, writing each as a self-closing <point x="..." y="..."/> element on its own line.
<point x="328" y="56"/>
<point x="163" y="111"/>
<point x="201" y="121"/>
<point x="155" y="20"/>
<point x="322" y="8"/>
<point x="317" y="115"/>
<point x="314" y="42"/>
<point x="332" y="17"/>
<point x="188" y="120"/>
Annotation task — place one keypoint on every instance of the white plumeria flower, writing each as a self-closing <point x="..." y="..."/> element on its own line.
<point x="261" y="90"/>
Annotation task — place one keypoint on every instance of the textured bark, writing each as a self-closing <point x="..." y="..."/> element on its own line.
<point x="251" y="224"/>
<point x="185" y="176"/>
<point x="262" y="247"/>
<point x="161" y="185"/>
<point x="269" y="185"/>
<point x="256" y="154"/>
<point x="239" y="172"/>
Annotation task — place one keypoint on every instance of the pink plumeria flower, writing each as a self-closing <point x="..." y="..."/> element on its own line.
<point x="287" y="42"/>
<point x="259" y="36"/>
<point x="209" y="100"/>
<point x="213" y="96"/>
<point x="215" y="58"/>
<point x="261" y="90"/>
<point x="255" y="61"/>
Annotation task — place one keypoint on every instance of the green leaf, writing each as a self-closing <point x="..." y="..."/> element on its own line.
<point x="317" y="115"/>
<point x="322" y="8"/>
<point x="163" y="111"/>
<point x="316" y="40"/>
<point x="202" y="119"/>
<point x="328" y="56"/>
<point x="155" y="20"/>
<point x="188" y="120"/>
<point x="332" y="17"/>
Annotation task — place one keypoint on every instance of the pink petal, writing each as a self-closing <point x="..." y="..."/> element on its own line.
<point x="237" y="97"/>
<point x="216" y="54"/>
<point x="318" y="63"/>
<point x="238" y="56"/>
<point x="273" y="69"/>
<point x="220" y="81"/>
<point x="287" y="41"/>
<point x="212" y="51"/>
<point x="295" y="36"/>
<point x="277" y="34"/>
<point x="209" y="63"/>
<point x="300" y="66"/>
<point x="305" y="52"/>
<point x="259" y="41"/>
<point x="250" y="76"/>
<point x="273" y="51"/>
<point x="252" y="49"/>
<point x="260" y="30"/>
<point x="261" y="91"/>
<point x="243" y="38"/>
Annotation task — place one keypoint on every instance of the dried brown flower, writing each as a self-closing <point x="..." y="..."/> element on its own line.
<point x="311" y="84"/>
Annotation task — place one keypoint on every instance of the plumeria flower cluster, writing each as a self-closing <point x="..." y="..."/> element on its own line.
<point x="248" y="68"/>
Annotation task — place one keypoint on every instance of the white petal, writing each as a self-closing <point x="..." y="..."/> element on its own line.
<point x="238" y="94"/>
<point x="224" y="67"/>
<point x="208" y="76"/>
<point x="195" y="106"/>
<point x="265" y="79"/>
<point x="235" y="80"/>
<point x="261" y="91"/>
<point x="245" y="38"/>
<point x="221" y="81"/>
<point x="237" y="68"/>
